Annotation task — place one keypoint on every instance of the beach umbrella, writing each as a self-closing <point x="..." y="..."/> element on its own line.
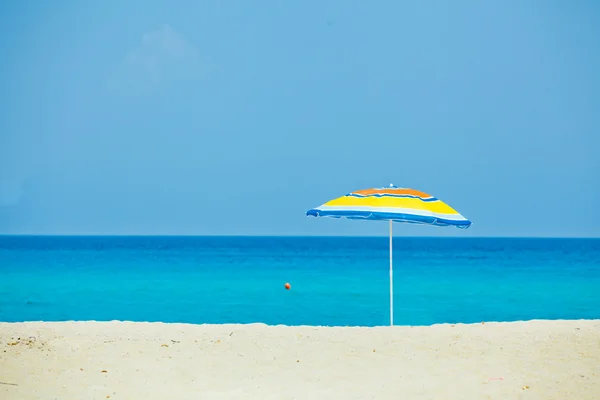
<point x="392" y="204"/>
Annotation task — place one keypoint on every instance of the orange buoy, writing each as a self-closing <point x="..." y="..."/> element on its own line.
<point x="287" y="286"/>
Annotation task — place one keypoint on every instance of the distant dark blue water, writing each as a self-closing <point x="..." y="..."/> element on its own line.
<point x="335" y="281"/>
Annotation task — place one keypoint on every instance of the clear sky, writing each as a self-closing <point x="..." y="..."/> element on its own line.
<point x="235" y="117"/>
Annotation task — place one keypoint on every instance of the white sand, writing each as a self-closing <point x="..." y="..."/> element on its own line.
<point x="124" y="360"/>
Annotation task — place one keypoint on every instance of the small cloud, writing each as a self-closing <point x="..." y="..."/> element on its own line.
<point x="159" y="51"/>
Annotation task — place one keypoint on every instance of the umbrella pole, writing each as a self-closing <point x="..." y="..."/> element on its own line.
<point x="391" y="281"/>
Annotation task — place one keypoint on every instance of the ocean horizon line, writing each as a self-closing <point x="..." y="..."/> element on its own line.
<point x="399" y="236"/>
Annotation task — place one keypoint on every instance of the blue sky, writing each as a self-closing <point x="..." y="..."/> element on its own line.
<point x="214" y="117"/>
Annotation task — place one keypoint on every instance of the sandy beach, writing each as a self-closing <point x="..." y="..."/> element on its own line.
<point x="126" y="360"/>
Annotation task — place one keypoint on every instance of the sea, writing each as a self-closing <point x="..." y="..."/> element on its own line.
<point x="334" y="281"/>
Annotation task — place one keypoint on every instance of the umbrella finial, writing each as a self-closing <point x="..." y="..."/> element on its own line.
<point x="392" y="185"/>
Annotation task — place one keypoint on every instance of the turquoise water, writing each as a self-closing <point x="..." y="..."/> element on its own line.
<point x="335" y="281"/>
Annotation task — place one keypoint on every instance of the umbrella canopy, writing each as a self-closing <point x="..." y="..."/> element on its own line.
<point x="392" y="204"/>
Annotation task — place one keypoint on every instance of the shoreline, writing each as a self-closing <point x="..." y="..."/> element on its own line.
<point x="262" y="324"/>
<point x="538" y="359"/>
